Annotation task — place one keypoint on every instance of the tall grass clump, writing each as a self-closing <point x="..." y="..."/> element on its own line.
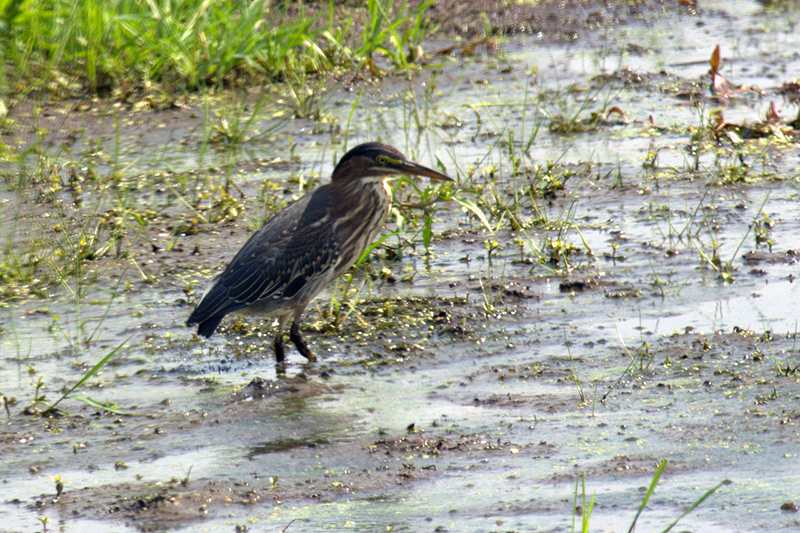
<point x="181" y="43"/>
<point x="69" y="46"/>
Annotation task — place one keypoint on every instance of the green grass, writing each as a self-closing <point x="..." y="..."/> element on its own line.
<point x="124" y="46"/>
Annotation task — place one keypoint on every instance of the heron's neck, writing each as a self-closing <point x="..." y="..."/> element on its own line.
<point x="363" y="209"/>
<point x="366" y="192"/>
<point x="364" y="200"/>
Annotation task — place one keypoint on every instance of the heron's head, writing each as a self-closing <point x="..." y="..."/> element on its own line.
<point x="378" y="161"/>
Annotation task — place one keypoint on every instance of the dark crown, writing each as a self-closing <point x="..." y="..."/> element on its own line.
<point x="371" y="151"/>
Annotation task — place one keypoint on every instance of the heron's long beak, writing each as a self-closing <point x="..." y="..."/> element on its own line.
<point x="409" y="167"/>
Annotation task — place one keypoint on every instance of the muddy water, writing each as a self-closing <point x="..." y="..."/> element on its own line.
<point x="512" y="378"/>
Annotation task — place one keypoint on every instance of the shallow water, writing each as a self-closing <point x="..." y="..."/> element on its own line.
<point x="474" y="417"/>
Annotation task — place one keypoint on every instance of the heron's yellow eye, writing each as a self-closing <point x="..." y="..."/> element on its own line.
<point x="382" y="160"/>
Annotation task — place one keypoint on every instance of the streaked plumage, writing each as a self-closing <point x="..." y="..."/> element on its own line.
<point x="299" y="251"/>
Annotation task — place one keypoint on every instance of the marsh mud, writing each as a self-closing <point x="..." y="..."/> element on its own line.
<point x="635" y="300"/>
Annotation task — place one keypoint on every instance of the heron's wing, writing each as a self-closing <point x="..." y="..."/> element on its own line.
<point x="289" y="252"/>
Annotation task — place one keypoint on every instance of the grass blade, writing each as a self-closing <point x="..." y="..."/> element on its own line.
<point x="472" y="206"/>
<point x="650" y="492"/>
<point x="96" y="368"/>
<point x="101" y="405"/>
<point x="373" y="246"/>
<point x="692" y="507"/>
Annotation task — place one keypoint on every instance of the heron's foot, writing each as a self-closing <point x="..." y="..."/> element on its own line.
<point x="298" y="340"/>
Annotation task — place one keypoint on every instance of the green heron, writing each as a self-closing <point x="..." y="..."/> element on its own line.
<point x="304" y="247"/>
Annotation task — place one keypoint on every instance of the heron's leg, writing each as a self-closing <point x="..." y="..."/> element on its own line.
<point x="280" y="352"/>
<point x="278" y="345"/>
<point x="300" y="342"/>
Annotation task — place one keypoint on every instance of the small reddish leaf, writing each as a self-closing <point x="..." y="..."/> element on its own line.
<point x="715" y="59"/>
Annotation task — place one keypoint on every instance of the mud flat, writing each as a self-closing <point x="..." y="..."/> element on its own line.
<point x="633" y="300"/>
